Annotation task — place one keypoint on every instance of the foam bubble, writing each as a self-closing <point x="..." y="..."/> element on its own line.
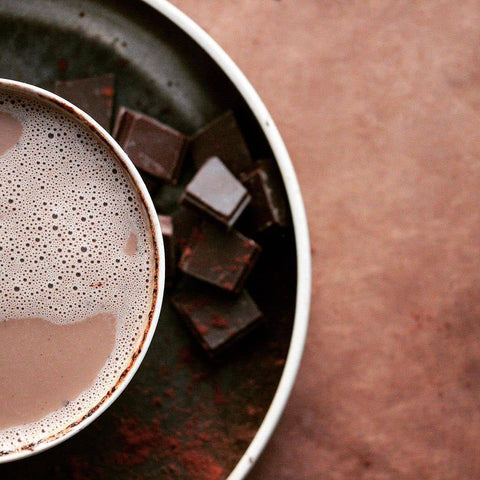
<point x="75" y="243"/>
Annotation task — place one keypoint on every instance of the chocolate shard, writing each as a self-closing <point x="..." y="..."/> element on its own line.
<point x="167" y="227"/>
<point x="268" y="207"/>
<point x="215" y="191"/>
<point x="185" y="222"/>
<point x="153" y="147"/>
<point x="92" y="95"/>
<point x="219" y="257"/>
<point x="221" y="138"/>
<point x="150" y="181"/>
<point x="217" y="320"/>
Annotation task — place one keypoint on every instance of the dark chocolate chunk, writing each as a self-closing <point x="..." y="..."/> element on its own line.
<point x="217" y="320"/>
<point x="150" y="182"/>
<point x="215" y="191"/>
<point x="185" y="221"/>
<point x="92" y="95"/>
<point x="219" y="257"/>
<point x="268" y="206"/>
<point x="152" y="146"/>
<point x="167" y="227"/>
<point x="222" y="138"/>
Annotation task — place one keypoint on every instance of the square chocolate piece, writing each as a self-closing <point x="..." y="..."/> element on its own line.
<point x="217" y="320"/>
<point x="268" y="206"/>
<point x="166" y="225"/>
<point x="219" y="257"/>
<point x="185" y="221"/>
<point x="92" y="95"/>
<point x="215" y="191"/>
<point x="150" y="182"/>
<point x="152" y="146"/>
<point x="221" y="138"/>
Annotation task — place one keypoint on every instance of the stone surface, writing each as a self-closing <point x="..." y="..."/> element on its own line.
<point x="378" y="103"/>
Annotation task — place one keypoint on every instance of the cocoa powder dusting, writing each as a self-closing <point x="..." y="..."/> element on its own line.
<point x="141" y="442"/>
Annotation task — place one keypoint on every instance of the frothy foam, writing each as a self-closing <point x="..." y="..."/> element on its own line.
<point x="75" y="243"/>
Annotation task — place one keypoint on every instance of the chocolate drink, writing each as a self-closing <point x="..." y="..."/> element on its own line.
<point x="78" y="269"/>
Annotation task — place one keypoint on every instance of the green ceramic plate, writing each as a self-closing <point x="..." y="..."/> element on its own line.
<point x="183" y="416"/>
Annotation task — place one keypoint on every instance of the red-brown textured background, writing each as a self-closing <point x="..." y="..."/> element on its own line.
<point x="378" y="103"/>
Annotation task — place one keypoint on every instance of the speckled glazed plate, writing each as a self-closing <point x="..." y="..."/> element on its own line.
<point x="184" y="416"/>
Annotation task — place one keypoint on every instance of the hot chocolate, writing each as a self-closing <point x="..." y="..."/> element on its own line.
<point x="78" y="270"/>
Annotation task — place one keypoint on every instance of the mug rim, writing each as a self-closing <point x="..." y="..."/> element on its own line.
<point x="158" y="278"/>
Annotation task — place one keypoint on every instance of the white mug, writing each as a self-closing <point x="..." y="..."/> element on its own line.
<point x="61" y="183"/>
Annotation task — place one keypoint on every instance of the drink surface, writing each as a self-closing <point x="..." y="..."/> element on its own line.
<point x="77" y="270"/>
